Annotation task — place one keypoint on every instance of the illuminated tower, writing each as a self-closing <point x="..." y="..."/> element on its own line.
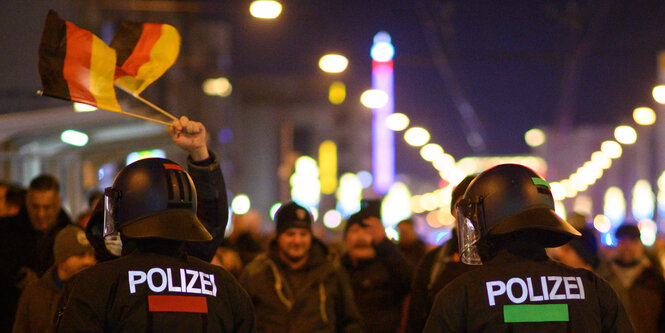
<point x="383" y="139"/>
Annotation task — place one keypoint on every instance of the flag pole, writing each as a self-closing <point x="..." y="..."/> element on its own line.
<point x="135" y="95"/>
<point x="145" y="118"/>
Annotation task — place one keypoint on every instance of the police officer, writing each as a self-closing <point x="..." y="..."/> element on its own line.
<point x="506" y="220"/>
<point x="154" y="285"/>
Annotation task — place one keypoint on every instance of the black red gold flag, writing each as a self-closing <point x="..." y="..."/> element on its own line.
<point x="144" y="52"/>
<point x="76" y="65"/>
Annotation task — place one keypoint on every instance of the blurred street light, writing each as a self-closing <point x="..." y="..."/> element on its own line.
<point x="74" y="138"/>
<point x="333" y="63"/>
<point x="612" y="149"/>
<point x="625" y="134"/>
<point x="265" y="9"/>
<point x="416" y="136"/>
<point x="659" y="94"/>
<point x="217" y="87"/>
<point x="644" y="116"/>
<point x="374" y="98"/>
<point x="397" y="122"/>
<point x="534" y="137"/>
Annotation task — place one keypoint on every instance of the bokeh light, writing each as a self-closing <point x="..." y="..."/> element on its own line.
<point x="240" y="204"/>
<point x="611" y="149"/>
<point x="374" y="98"/>
<point x="625" y="134"/>
<point x="416" y="136"/>
<point x="659" y="94"/>
<point x="534" y="137"/>
<point x="333" y="63"/>
<point x="397" y="122"/>
<point x="644" y="116"/>
<point x="431" y="152"/>
<point x="265" y="9"/>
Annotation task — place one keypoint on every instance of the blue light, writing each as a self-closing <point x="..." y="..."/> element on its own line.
<point x="225" y="135"/>
<point x="382" y="50"/>
<point x="608" y="239"/>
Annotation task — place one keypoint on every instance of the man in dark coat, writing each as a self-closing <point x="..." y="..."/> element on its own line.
<point x="26" y="242"/>
<point x="379" y="273"/>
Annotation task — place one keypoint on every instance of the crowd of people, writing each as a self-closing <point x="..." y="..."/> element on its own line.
<point x="151" y="255"/>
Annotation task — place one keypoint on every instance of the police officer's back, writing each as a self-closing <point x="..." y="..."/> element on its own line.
<point x="155" y="286"/>
<point x="506" y="219"/>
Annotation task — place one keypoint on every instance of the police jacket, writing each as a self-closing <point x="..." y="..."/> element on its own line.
<point x="379" y="287"/>
<point x="324" y="302"/>
<point x="521" y="290"/>
<point x="154" y="292"/>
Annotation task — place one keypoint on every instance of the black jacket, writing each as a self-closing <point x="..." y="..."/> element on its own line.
<point x="23" y="252"/>
<point x="153" y="292"/>
<point x="506" y="295"/>
<point x="380" y="286"/>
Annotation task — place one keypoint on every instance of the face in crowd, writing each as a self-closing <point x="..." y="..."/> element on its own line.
<point x="358" y="241"/>
<point x="629" y="250"/>
<point x="75" y="264"/>
<point x="294" y="243"/>
<point x="43" y="208"/>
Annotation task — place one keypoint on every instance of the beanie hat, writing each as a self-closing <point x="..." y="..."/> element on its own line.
<point x="356" y="218"/>
<point x="70" y="241"/>
<point x="627" y="230"/>
<point x="586" y="246"/>
<point x="292" y="215"/>
<point x="459" y="190"/>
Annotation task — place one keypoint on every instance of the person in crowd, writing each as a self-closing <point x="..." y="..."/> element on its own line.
<point x="296" y="286"/>
<point x="228" y="258"/>
<point x="380" y="275"/>
<point x="506" y="220"/>
<point x="437" y="268"/>
<point x="637" y="281"/>
<point x="14" y="201"/>
<point x="26" y="242"/>
<point x="155" y="285"/>
<point x="83" y="217"/>
<point x="579" y="252"/>
<point x="4" y="187"/>
<point x="409" y="244"/>
<point x="246" y="236"/>
<point x="37" y="304"/>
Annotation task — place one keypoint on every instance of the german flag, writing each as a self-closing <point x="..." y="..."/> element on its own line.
<point x="76" y="65"/>
<point x="145" y="51"/>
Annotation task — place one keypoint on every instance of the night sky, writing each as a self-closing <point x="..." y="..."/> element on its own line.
<point x="556" y="64"/>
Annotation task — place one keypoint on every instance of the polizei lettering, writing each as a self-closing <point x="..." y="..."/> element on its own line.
<point x="186" y="281"/>
<point x="546" y="288"/>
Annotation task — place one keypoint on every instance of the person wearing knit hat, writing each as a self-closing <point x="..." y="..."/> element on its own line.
<point x="297" y="286"/>
<point x="38" y="302"/>
<point x="380" y="275"/>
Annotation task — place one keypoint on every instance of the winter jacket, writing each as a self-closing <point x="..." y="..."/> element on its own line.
<point x="380" y="286"/>
<point x="37" y="305"/>
<point x="25" y="255"/>
<point x="324" y="302"/>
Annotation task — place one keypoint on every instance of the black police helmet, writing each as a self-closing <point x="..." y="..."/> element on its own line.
<point x="511" y="197"/>
<point x="155" y="197"/>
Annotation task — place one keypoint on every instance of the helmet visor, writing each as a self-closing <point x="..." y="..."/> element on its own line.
<point x="468" y="233"/>
<point x="110" y="227"/>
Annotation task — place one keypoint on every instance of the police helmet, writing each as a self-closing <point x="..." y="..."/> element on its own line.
<point x="153" y="197"/>
<point x="505" y="199"/>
